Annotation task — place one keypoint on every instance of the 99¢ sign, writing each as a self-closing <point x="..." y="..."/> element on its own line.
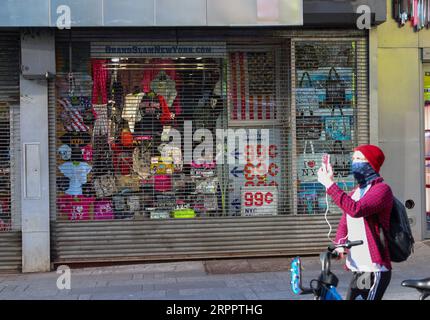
<point x="257" y="201"/>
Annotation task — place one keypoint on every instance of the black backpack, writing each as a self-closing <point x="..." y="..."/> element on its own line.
<point x="400" y="239"/>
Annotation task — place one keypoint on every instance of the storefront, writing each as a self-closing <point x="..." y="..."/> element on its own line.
<point x="10" y="235"/>
<point x="186" y="144"/>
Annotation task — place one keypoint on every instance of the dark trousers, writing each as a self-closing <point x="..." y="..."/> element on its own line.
<point x="368" y="285"/>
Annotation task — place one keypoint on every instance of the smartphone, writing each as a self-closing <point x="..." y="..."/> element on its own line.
<point x="326" y="160"/>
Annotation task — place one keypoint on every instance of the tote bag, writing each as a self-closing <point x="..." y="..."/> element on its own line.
<point x="307" y="98"/>
<point x="308" y="164"/>
<point x="335" y="91"/>
<point x="338" y="128"/>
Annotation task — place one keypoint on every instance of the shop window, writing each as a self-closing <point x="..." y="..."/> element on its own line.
<point x="325" y="117"/>
<point x="115" y="159"/>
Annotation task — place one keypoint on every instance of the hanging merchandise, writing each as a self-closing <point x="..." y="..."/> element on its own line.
<point x="169" y="151"/>
<point x="142" y="161"/>
<point x="415" y="11"/>
<point x="75" y="207"/>
<point x="308" y="163"/>
<point x="121" y="204"/>
<point x="308" y="199"/>
<point x="150" y="113"/>
<point x="100" y="78"/>
<point x="166" y="116"/>
<point x="126" y="138"/>
<point x="309" y="127"/>
<point x="65" y="152"/>
<point x="130" y="111"/>
<point x="335" y="91"/>
<point x="128" y="182"/>
<point x="87" y="153"/>
<point x="166" y="66"/>
<point x="77" y="173"/>
<point x="308" y="98"/>
<point x="163" y="86"/>
<point x="105" y="186"/>
<point x="165" y="135"/>
<point x="338" y="128"/>
<point x="122" y="159"/>
<point x="103" y="210"/>
<point x="102" y="157"/>
<point x="101" y="124"/>
<point x="71" y="118"/>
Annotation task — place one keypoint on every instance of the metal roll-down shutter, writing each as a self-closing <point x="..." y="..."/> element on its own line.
<point x="261" y="89"/>
<point x="10" y="231"/>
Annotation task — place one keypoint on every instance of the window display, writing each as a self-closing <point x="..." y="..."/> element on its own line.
<point x="326" y="104"/>
<point x="116" y="159"/>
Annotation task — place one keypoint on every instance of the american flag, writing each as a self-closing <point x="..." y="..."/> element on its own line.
<point x="245" y="105"/>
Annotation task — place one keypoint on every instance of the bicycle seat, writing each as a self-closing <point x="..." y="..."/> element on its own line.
<point x="423" y="284"/>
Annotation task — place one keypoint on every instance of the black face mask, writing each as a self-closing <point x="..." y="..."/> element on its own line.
<point x="363" y="173"/>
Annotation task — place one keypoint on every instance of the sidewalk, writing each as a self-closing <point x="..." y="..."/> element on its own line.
<point x="244" y="279"/>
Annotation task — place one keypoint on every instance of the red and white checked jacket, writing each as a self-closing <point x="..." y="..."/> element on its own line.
<point x="375" y="207"/>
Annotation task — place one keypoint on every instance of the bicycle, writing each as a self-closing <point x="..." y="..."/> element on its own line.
<point x="423" y="286"/>
<point x="326" y="284"/>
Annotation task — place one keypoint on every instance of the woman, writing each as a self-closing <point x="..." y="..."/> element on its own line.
<point x="365" y="210"/>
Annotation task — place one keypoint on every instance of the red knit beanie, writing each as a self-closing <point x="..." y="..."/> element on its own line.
<point x="373" y="154"/>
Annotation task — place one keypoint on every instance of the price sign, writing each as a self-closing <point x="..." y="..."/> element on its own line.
<point x="258" y="201"/>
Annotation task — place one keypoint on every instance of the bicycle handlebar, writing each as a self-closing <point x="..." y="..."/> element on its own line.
<point x="346" y="245"/>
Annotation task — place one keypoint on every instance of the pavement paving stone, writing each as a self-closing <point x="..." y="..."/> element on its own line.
<point x="251" y="279"/>
<point x="192" y="285"/>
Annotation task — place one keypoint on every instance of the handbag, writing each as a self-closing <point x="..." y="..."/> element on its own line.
<point x="306" y="57"/>
<point x="309" y="127"/>
<point x="307" y="98"/>
<point x="308" y="164"/>
<point x="308" y="200"/>
<point x="105" y="186"/>
<point x="142" y="162"/>
<point x="121" y="205"/>
<point x="129" y="182"/>
<point x="335" y="91"/>
<point x="338" y="128"/>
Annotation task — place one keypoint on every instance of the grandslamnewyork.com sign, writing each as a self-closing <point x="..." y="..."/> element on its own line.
<point x="108" y="50"/>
